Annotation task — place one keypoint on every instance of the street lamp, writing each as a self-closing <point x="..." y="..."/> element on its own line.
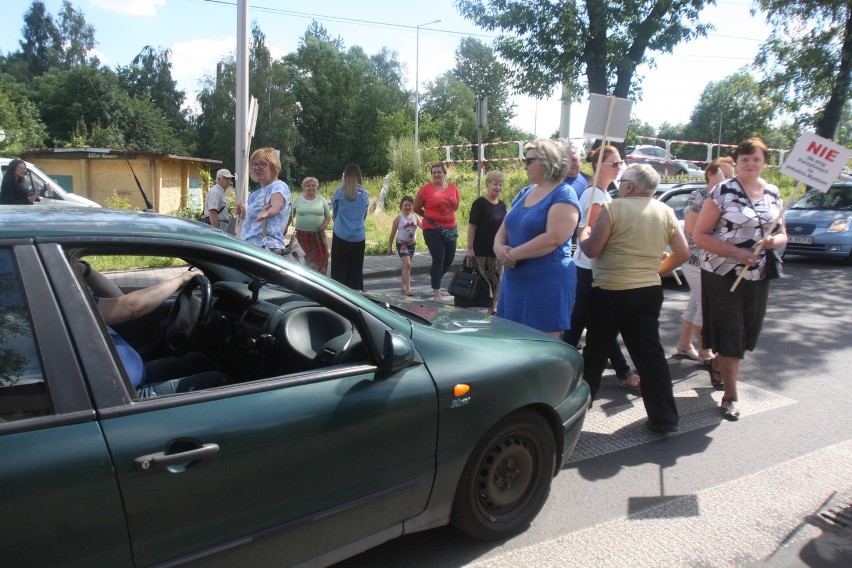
<point x="417" y="85"/>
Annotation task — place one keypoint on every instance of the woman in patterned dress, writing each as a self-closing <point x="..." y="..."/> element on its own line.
<point x="735" y="217"/>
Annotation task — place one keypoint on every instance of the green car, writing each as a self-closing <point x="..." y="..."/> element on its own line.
<point x="336" y="421"/>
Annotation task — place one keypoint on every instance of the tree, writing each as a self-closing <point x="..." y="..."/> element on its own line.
<point x="77" y="37"/>
<point x="149" y="76"/>
<point x="555" y="42"/>
<point x="478" y="68"/>
<point x="451" y="106"/>
<point x="807" y="60"/>
<point x="93" y="98"/>
<point x="41" y="45"/>
<point x="729" y="111"/>
<point x="20" y="120"/>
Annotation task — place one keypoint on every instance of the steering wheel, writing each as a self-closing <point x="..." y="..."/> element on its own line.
<point x="333" y="350"/>
<point x="188" y="313"/>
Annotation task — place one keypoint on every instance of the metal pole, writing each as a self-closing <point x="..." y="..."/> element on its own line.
<point x="241" y="114"/>
<point x="417" y="85"/>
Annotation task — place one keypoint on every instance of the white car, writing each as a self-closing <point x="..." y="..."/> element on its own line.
<point x="49" y="191"/>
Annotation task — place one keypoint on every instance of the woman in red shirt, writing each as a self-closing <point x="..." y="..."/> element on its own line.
<point x="437" y="202"/>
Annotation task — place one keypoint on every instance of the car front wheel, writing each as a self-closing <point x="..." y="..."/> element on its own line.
<point x="507" y="478"/>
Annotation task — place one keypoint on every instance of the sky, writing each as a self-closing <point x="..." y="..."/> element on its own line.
<point x="201" y="32"/>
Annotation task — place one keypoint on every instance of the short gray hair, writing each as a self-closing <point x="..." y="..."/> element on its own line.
<point x="644" y="178"/>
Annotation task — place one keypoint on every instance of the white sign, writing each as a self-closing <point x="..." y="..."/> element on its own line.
<point x="816" y="161"/>
<point x="608" y="118"/>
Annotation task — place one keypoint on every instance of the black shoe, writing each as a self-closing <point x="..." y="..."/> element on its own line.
<point x="662" y="427"/>
<point x="730" y="409"/>
<point x="715" y="378"/>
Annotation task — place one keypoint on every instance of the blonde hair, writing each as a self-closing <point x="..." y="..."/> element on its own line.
<point x="350" y="181"/>
<point x="309" y="179"/>
<point x="268" y="155"/>
<point x="550" y="154"/>
<point x="494" y="175"/>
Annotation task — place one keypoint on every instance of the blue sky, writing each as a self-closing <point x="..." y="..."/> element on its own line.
<point x="200" y="32"/>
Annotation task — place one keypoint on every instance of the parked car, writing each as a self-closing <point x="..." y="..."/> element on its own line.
<point x="665" y="165"/>
<point x="820" y="224"/>
<point x="50" y="192"/>
<point x="345" y="421"/>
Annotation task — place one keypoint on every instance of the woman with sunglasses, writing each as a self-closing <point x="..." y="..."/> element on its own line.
<point x="13" y="191"/>
<point x="267" y="210"/>
<point x="534" y="244"/>
<point x="591" y="205"/>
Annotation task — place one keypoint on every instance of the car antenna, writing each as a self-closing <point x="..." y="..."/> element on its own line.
<point x="149" y="207"/>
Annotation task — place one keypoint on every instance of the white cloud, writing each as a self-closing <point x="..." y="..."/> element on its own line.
<point x="191" y="60"/>
<point x="130" y="7"/>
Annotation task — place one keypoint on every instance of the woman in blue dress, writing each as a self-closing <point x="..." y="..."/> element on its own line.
<point x="534" y="244"/>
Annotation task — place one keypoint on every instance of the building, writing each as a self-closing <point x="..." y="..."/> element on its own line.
<point x="170" y="182"/>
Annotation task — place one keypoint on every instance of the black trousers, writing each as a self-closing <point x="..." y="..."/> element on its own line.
<point x="579" y="318"/>
<point x="347" y="262"/>
<point x="443" y="253"/>
<point x="636" y="314"/>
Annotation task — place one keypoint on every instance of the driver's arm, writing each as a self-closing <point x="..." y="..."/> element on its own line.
<point x="140" y="302"/>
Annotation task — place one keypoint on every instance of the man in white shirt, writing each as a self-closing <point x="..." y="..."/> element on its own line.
<point x="217" y="202"/>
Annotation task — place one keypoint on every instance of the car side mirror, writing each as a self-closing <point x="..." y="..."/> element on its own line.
<point x="398" y="352"/>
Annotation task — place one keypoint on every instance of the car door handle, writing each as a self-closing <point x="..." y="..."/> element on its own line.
<point x="161" y="459"/>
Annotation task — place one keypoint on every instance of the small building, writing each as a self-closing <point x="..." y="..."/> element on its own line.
<point x="170" y="182"/>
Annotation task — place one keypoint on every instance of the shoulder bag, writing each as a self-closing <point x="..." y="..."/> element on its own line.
<point x="468" y="288"/>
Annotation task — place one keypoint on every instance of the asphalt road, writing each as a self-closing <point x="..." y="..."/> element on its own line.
<point x="717" y="493"/>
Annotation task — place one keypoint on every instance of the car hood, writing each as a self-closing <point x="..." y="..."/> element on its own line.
<point x="818" y="217"/>
<point x="461" y="321"/>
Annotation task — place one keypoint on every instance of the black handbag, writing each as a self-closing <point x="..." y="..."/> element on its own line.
<point x="468" y="288"/>
<point x="774" y="268"/>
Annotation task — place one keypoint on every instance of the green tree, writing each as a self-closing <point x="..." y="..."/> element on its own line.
<point x="19" y="120"/>
<point x="77" y="37"/>
<point x="342" y="96"/>
<point x="271" y="83"/>
<point x="478" y="68"/>
<point x="729" y="111"/>
<point x="807" y="60"/>
<point x="41" y="43"/>
<point x="451" y="104"/>
<point x="149" y="76"/>
<point x="587" y="46"/>
<point x="94" y="98"/>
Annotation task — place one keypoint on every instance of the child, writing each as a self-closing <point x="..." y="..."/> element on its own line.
<point x="405" y="231"/>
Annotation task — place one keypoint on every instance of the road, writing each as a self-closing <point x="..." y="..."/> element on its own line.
<point x="717" y="493"/>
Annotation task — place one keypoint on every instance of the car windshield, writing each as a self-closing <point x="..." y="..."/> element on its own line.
<point x="838" y="197"/>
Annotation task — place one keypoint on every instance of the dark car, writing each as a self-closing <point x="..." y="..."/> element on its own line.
<point x="665" y="165"/>
<point x="820" y="224"/>
<point x="344" y="421"/>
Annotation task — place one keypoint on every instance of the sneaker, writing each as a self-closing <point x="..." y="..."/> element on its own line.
<point x="730" y="409"/>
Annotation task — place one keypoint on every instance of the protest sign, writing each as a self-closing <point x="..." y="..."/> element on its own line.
<point x="816" y="161"/>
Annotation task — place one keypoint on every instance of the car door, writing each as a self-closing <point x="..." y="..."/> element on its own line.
<point x="60" y="499"/>
<point x="291" y="466"/>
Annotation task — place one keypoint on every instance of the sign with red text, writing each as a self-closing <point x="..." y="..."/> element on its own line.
<point x="816" y="161"/>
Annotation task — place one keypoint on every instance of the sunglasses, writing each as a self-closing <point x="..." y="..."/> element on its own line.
<point x="622" y="180"/>
<point x="615" y="164"/>
<point x="258" y="165"/>
<point x="529" y="161"/>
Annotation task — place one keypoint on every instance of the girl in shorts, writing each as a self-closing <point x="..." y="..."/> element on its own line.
<point x="404" y="230"/>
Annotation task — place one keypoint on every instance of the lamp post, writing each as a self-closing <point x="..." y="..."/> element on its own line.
<point x="417" y="85"/>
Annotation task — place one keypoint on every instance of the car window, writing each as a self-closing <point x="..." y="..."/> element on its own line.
<point x="251" y="328"/>
<point x="678" y="202"/>
<point x="23" y="391"/>
<point x="836" y="198"/>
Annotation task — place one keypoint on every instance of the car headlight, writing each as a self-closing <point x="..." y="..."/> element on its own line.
<point x="840" y="225"/>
